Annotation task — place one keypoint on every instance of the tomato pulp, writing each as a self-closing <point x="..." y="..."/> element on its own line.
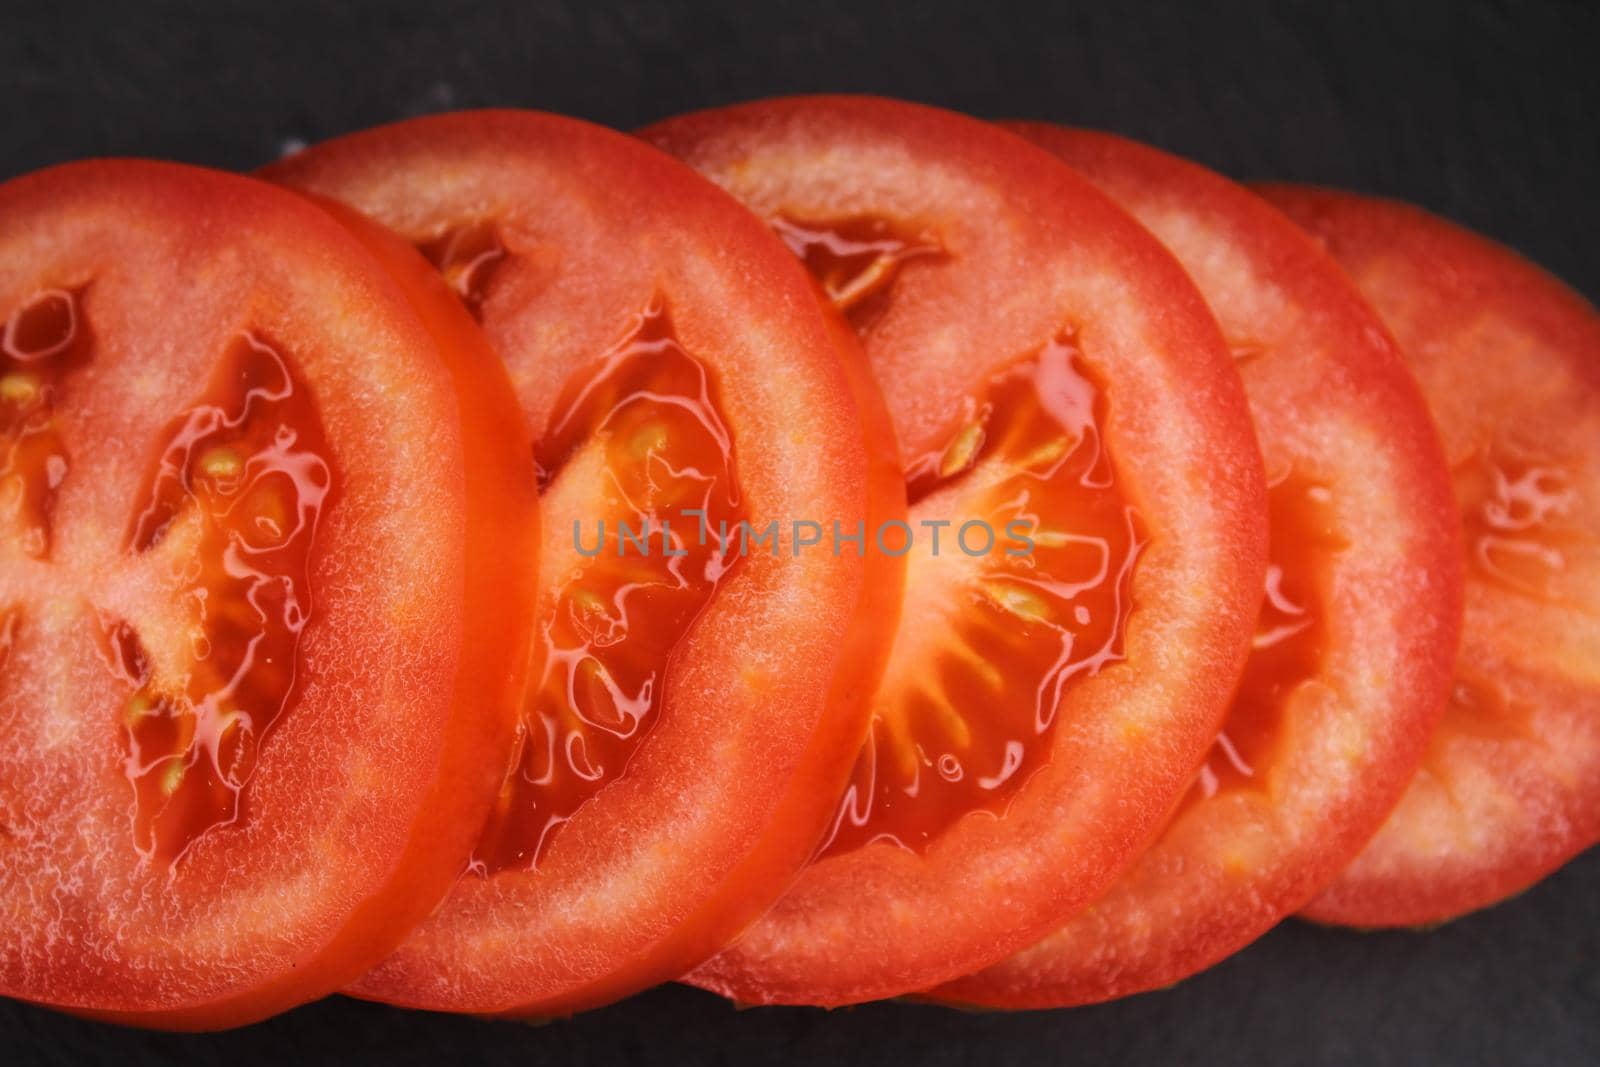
<point x="1074" y="430"/>
<point x="1350" y="665"/>
<point x="1509" y="360"/>
<point x="259" y="637"/>
<point x="703" y="436"/>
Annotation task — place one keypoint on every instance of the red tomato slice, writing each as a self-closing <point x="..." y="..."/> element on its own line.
<point x="696" y="714"/>
<point x="1509" y="360"/>
<point x="262" y="632"/>
<point x="1050" y="371"/>
<point x="1329" y="723"/>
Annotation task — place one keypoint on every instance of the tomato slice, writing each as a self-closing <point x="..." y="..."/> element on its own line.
<point x="1329" y="723"/>
<point x="699" y="702"/>
<point x="1055" y="380"/>
<point x="262" y="477"/>
<point x="1509" y="360"/>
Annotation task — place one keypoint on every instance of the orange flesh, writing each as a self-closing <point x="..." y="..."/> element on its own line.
<point x="629" y="585"/>
<point x="855" y="260"/>
<point x="42" y="342"/>
<point x="1289" y="642"/>
<point x="992" y="637"/>
<point x="232" y="510"/>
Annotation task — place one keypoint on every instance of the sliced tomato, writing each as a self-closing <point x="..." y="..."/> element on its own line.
<point x="1330" y="721"/>
<point x="261" y="631"/>
<point x="1509" y="360"/>
<point x="1055" y="378"/>
<point x="696" y="712"/>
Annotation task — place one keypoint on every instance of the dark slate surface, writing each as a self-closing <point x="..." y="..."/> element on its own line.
<point x="1484" y="112"/>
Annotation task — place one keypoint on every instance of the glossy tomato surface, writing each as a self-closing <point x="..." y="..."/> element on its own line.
<point x="262" y="478"/>
<point x="1051" y="374"/>
<point x="699" y="701"/>
<point x="1509" y="359"/>
<point x="1351" y="661"/>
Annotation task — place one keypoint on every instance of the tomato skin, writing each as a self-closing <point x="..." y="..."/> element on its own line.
<point x="881" y="921"/>
<point x="458" y="710"/>
<point x="1508" y="356"/>
<point x="672" y="859"/>
<point x="1334" y="406"/>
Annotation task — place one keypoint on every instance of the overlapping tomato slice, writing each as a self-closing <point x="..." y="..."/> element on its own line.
<point x="1350" y="664"/>
<point x="1509" y="360"/>
<point x="261" y="479"/>
<point x="704" y="431"/>
<point x="1075" y="437"/>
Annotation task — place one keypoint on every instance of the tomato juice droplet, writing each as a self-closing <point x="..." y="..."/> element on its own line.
<point x="1000" y="624"/>
<point x="233" y="502"/>
<point x="638" y="441"/>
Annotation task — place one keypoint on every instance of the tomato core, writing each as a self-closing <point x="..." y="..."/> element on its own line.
<point x="637" y="469"/>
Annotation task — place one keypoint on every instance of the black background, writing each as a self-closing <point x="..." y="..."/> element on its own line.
<point x="1485" y="112"/>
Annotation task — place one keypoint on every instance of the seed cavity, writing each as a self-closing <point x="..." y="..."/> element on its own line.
<point x="610" y="627"/>
<point x="467" y="255"/>
<point x="1290" y="636"/>
<point x="1519" y="514"/>
<point x="229" y="513"/>
<point x="43" y="341"/>
<point x="994" y="641"/>
<point x="857" y="260"/>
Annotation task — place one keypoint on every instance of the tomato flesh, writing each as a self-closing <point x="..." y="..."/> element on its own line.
<point x="1020" y="580"/>
<point x="623" y="599"/>
<point x="231" y="506"/>
<point x="1509" y="360"/>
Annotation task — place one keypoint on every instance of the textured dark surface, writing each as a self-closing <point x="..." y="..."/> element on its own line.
<point x="1484" y="112"/>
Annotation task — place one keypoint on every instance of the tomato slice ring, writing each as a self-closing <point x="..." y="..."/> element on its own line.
<point x="697" y="714"/>
<point x="1509" y="360"/>
<point x="260" y="634"/>
<point x="1329" y="724"/>
<point x="1034" y="345"/>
